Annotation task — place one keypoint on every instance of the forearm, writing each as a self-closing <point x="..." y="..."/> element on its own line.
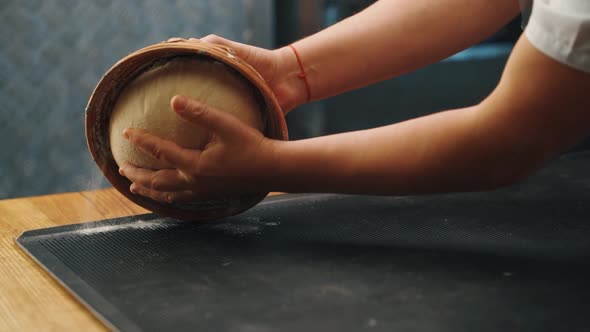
<point x="393" y="37"/>
<point x="539" y="109"/>
<point x="441" y="152"/>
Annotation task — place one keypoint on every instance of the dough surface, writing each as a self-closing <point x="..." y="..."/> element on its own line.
<point x="145" y="104"/>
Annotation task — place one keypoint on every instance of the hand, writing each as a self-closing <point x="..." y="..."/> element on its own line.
<point x="279" y="68"/>
<point x="237" y="159"/>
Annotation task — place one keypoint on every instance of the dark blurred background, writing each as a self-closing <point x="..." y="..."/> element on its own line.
<point x="53" y="52"/>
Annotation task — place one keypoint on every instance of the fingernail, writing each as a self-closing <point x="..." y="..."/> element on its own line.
<point x="179" y="103"/>
<point x="133" y="188"/>
<point x="121" y="171"/>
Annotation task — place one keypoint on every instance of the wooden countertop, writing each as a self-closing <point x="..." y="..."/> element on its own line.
<point x="30" y="300"/>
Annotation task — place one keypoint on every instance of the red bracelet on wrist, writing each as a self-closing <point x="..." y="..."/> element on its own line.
<point x="302" y="73"/>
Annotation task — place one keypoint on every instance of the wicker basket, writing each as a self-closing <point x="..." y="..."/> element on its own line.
<point x="102" y="101"/>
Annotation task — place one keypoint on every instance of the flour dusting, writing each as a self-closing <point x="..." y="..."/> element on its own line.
<point x="250" y="225"/>
<point x="238" y="229"/>
<point x="140" y="224"/>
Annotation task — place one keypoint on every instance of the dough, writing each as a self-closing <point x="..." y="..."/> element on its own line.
<point x="145" y="103"/>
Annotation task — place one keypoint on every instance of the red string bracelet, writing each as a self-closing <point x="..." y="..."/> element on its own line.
<point x="302" y="73"/>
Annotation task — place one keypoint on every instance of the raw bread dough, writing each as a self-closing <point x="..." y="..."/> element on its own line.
<point x="145" y="103"/>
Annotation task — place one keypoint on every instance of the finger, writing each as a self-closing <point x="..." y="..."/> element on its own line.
<point x="162" y="180"/>
<point x="224" y="125"/>
<point x="237" y="47"/>
<point x="162" y="196"/>
<point x="215" y="39"/>
<point x="161" y="149"/>
<point x="248" y="53"/>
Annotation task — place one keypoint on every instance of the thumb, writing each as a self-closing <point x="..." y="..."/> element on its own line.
<point x="250" y="54"/>
<point x="215" y="39"/>
<point x="242" y="50"/>
<point x="224" y="125"/>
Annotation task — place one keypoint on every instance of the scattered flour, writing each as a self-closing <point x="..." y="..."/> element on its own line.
<point x="251" y="225"/>
<point x="238" y="229"/>
<point x="140" y="224"/>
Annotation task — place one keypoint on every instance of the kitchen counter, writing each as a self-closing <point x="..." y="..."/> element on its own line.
<point x="29" y="298"/>
<point x="511" y="259"/>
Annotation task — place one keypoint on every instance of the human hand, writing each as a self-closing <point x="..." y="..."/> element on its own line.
<point x="279" y="68"/>
<point x="236" y="160"/>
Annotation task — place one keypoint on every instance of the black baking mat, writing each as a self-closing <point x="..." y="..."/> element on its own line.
<point x="516" y="259"/>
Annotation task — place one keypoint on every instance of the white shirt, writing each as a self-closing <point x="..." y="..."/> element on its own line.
<point x="561" y="30"/>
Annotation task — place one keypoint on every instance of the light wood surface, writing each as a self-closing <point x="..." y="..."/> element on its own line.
<point x="30" y="300"/>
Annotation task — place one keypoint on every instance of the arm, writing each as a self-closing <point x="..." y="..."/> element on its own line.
<point x="393" y="37"/>
<point x="539" y="109"/>
<point x="389" y="38"/>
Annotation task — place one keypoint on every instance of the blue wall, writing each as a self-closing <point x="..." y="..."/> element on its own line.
<point x="52" y="54"/>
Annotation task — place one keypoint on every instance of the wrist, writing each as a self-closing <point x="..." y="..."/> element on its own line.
<point x="278" y="166"/>
<point x="302" y="166"/>
<point x="289" y="74"/>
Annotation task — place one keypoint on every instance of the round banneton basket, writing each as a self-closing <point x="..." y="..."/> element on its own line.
<point x="104" y="97"/>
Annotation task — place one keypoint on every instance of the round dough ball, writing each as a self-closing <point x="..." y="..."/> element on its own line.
<point x="145" y="104"/>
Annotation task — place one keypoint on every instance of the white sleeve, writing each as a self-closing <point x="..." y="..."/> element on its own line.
<point x="561" y="30"/>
